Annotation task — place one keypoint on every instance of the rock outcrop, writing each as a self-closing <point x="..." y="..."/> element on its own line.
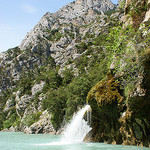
<point x="37" y="88"/>
<point x="147" y="15"/>
<point x="42" y="126"/>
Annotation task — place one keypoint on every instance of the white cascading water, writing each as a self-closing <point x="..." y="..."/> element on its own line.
<point x="78" y="127"/>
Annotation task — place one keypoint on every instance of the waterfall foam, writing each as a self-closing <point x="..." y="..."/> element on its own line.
<point x="77" y="129"/>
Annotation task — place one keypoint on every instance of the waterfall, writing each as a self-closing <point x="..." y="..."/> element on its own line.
<point x="77" y="129"/>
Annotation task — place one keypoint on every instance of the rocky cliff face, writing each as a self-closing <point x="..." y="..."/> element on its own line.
<point x="60" y="31"/>
<point x="55" y="35"/>
<point x="52" y="42"/>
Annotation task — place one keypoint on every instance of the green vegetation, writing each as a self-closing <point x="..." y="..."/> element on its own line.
<point x="108" y="13"/>
<point x="68" y="75"/>
<point x="122" y="6"/>
<point x="26" y="83"/>
<point x="12" y="120"/>
<point x="14" y="52"/>
<point x="69" y="33"/>
<point x="30" y="119"/>
<point x="55" y="102"/>
<point x="54" y="35"/>
<point x="3" y="99"/>
<point x="137" y="12"/>
<point x="76" y="95"/>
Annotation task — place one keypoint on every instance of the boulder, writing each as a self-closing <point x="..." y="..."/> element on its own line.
<point x="42" y="126"/>
<point x="37" y="87"/>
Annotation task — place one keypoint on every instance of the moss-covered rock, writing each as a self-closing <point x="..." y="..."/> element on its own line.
<point x="105" y="92"/>
<point x="105" y="99"/>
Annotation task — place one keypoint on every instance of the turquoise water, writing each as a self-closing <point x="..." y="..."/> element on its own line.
<point x="20" y="141"/>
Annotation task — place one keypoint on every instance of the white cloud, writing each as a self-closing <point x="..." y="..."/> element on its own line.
<point x="29" y="9"/>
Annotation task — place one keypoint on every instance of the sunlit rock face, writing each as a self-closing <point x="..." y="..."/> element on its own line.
<point x="77" y="13"/>
<point x="51" y="42"/>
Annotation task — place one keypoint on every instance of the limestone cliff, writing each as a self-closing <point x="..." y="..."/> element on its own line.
<point x="62" y="46"/>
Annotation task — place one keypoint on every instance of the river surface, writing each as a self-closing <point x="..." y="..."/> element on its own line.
<point x="21" y="141"/>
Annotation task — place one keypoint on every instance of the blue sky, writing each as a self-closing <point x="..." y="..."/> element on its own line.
<point x="17" y="17"/>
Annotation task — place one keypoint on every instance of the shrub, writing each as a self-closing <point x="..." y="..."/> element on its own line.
<point x="6" y="124"/>
<point x="68" y="75"/>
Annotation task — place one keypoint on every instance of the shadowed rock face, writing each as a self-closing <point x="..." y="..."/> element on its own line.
<point x="138" y="11"/>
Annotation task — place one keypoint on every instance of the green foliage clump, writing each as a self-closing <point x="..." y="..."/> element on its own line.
<point x="2" y="119"/>
<point x="76" y="95"/>
<point x="110" y="12"/>
<point x="81" y="47"/>
<point x="26" y="82"/>
<point x="13" y="52"/>
<point x="55" y="102"/>
<point x="97" y="12"/>
<point x="69" y="33"/>
<point x="122" y="6"/>
<point x="117" y="40"/>
<point x="30" y="119"/>
<point x="65" y="100"/>
<point x="121" y="51"/>
<point x="88" y="35"/>
<point x="100" y="40"/>
<point x="3" y="98"/>
<point x="52" y="78"/>
<point x="12" y="120"/>
<point x="68" y="75"/>
<point x="81" y="63"/>
<point x="54" y="35"/>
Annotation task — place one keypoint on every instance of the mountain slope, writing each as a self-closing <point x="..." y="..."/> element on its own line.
<point x="46" y="50"/>
<point x="59" y="31"/>
<point x="86" y="45"/>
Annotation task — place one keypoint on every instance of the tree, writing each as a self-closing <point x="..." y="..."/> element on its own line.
<point x="56" y="104"/>
<point x="76" y="95"/>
